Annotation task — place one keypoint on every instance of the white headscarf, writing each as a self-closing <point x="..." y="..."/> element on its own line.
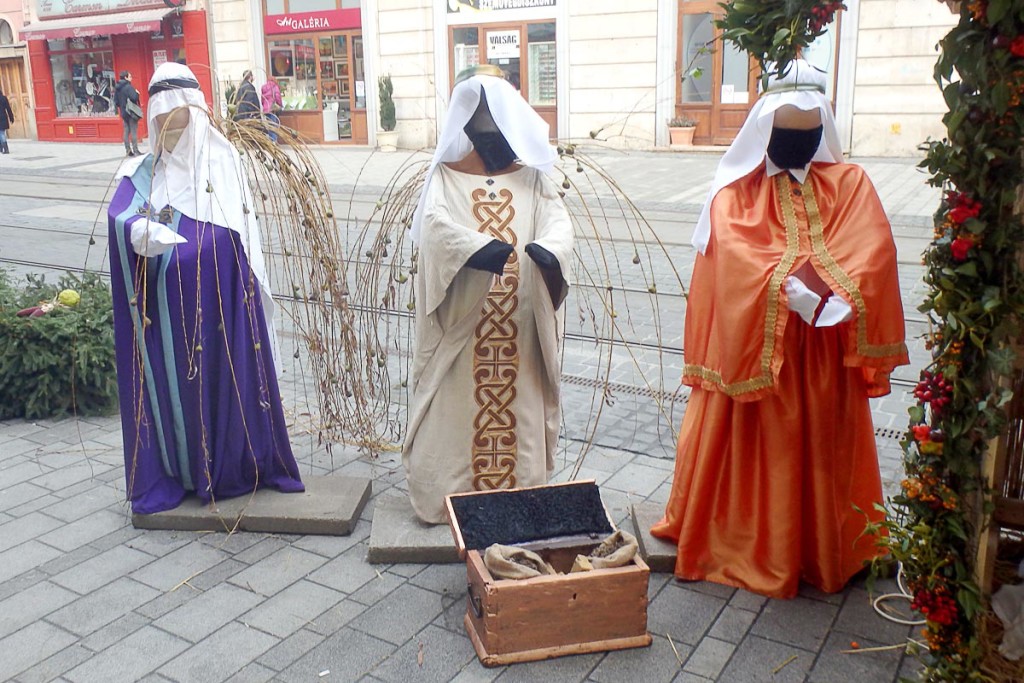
<point x="799" y="87"/>
<point x="523" y="128"/>
<point x="203" y="176"/>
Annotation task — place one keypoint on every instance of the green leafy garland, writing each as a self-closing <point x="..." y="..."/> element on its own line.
<point x="58" y="348"/>
<point x="775" y="31"/>
<point x="975" y="304"/>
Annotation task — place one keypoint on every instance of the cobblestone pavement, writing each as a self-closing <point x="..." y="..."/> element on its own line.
<point x="85" y="597"/>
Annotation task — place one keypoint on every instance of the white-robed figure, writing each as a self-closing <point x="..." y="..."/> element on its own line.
<point x="495" y="244"/>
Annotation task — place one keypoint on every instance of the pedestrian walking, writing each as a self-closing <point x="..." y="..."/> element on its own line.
<point x="126" y="98"/>
<point x="6" y="119"/>
<point x="247" y="100"/>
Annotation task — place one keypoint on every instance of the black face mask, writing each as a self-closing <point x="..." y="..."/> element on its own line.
<point x="791" y="148"/>
<point x="493" y="149"/>
<point x="487" y="139"/>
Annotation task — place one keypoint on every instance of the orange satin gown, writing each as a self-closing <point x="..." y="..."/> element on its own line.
<point x="777" y="443"/>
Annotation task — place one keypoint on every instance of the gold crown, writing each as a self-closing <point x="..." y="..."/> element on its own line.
<point x="479" y="70"/>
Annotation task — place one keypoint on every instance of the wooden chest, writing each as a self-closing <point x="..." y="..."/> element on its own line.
<point x="522" y="620"/>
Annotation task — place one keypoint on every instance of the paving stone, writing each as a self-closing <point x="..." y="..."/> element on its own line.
<point x="63" y="562"/>
<point x="371" y="592"/>
<point x="99" y="608"/>
<point x="444" y="654"/>
<point x="179" y="565"/>
<point x="66" y="476"/>
<point x="756" y="660"/>
<point x="83" y="503"/>
<point x="709" y="657"/>
<point x="236" y="542"/>
<point x="273" y="573"/>
<point x="102" y="569"/>
<point x="562" y="669"/>
<point x="834" y="667"/>
<point x="198" y="618"/>
<point x="23" y="472"/>
<point x="25" y="528"/>
<point x="732" y="624"/>
<point x="220" y="655"/>
<point x="123" y="536"/>
<point x="22" y="582"/>
<point x="113" y="632"/>
<point x="329" y="505"/>
<point x="475" y="672"/>
<point x="684" y="614"/>
<point x="290" y="649"/>
<point x="801" y="622"/>
<point x="18" y="494"/>
<point x="294" y="607"/>
<point x="653" y="664"/>
<point x="347" y="572"/>
<point x="264" y="547"/>
<point x="858" y="618"/>
<point x="330" y="546"/>
<point x="130" y="659"/>
<point x="52" y="667"/>
<point x="29" y="646"/>
<point x="398" y="536"/>
<point x="659" y="554"/>
<point x="82" y="531"/>
<point x="637" y="479"/>
<point x="347" y="655"/>
<point x="252" y="673"/>
<point x="31" y="604"/>
<point x="744" y="599"/>
<point x="160" y="543"/>
<point x="336" y="617"/>
<point x="407" y="569"/>
<point x="33" y="505"/>
<point x="24" y="557"/>
<point x="165" y="602"/>
<point x="400" y="615"/>
<point x="217" y="574"/>
<point x="442" y="578"/>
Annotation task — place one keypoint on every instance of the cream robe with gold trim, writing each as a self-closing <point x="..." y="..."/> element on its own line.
<point x="485" y="410"/>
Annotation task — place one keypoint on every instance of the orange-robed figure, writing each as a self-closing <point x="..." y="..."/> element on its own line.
<point x="794" y="320"/>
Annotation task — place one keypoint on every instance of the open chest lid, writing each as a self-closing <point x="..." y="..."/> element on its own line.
<point x="552" y="515"/>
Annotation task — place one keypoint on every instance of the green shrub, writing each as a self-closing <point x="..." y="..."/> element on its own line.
<point x="387" y="104"/>
<point x="63" y="361"/>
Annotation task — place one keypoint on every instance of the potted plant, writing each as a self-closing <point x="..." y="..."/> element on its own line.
<point x="680" y="131"/>
<point x="387" y="137"/>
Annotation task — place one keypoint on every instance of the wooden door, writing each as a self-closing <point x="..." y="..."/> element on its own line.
<point x="717" y="83"/>
<point x="14" y="86"/>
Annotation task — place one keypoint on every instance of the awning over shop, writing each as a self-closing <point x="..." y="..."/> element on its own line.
<point x="142" y="21"/>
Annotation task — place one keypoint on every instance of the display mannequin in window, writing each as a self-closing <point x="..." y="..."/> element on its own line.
<point x="495" y="242"/>
<point x="793" y="322"/>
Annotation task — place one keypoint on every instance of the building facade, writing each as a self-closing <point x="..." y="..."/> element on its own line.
<point x="77" y="48"/>
<point x="610" y="71"/>
<point x="14" y="80"/>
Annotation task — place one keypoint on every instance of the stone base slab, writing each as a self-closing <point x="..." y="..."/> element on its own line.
<point x="329" y="506"/>
<point x="399" y="537"/>
<point x="660" y="555"/>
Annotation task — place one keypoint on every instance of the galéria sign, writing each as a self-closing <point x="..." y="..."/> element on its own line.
<point x="309" y="22"/>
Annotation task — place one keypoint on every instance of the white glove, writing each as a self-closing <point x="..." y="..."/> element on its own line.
<point x="152" y="239"/>
<point x="836" y="311"/>
<point x="801" y="299"/>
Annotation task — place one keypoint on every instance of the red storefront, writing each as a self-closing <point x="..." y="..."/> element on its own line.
<point x="78" y="48"/>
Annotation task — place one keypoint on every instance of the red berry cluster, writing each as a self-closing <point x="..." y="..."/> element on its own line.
<point x="822" y="15"/>
<point x="961" y="207"/>
<point x="935" y="390"/>
<point x="937" y="606"/>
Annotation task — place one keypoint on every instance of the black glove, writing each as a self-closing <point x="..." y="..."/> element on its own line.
<point x="492" y="257"/>
<point x="550" y="269"/>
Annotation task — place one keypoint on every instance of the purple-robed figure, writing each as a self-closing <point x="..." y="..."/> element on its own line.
<point x="200" y="406"/>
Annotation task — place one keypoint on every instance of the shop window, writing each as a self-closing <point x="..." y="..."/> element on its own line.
<point x="542" y="60"/>
<point x="358" y="72"/>
<point x="83" y="76"/>
<point x="293" y="66"/>
<point x="275" y="7"/>
<point x="697" y="31"/>
<point x="335" y="78"/>
<point x="311" y="5"/>
<point x="466" y="48"/>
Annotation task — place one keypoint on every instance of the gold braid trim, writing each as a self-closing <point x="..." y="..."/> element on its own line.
<point x="864" y="348"/>
<point x="774" y="308"/>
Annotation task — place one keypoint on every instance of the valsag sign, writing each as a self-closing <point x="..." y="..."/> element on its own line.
<point x="311" y="22"/>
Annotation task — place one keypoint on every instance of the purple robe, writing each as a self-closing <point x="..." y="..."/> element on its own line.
<point x="200" y="406"/>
